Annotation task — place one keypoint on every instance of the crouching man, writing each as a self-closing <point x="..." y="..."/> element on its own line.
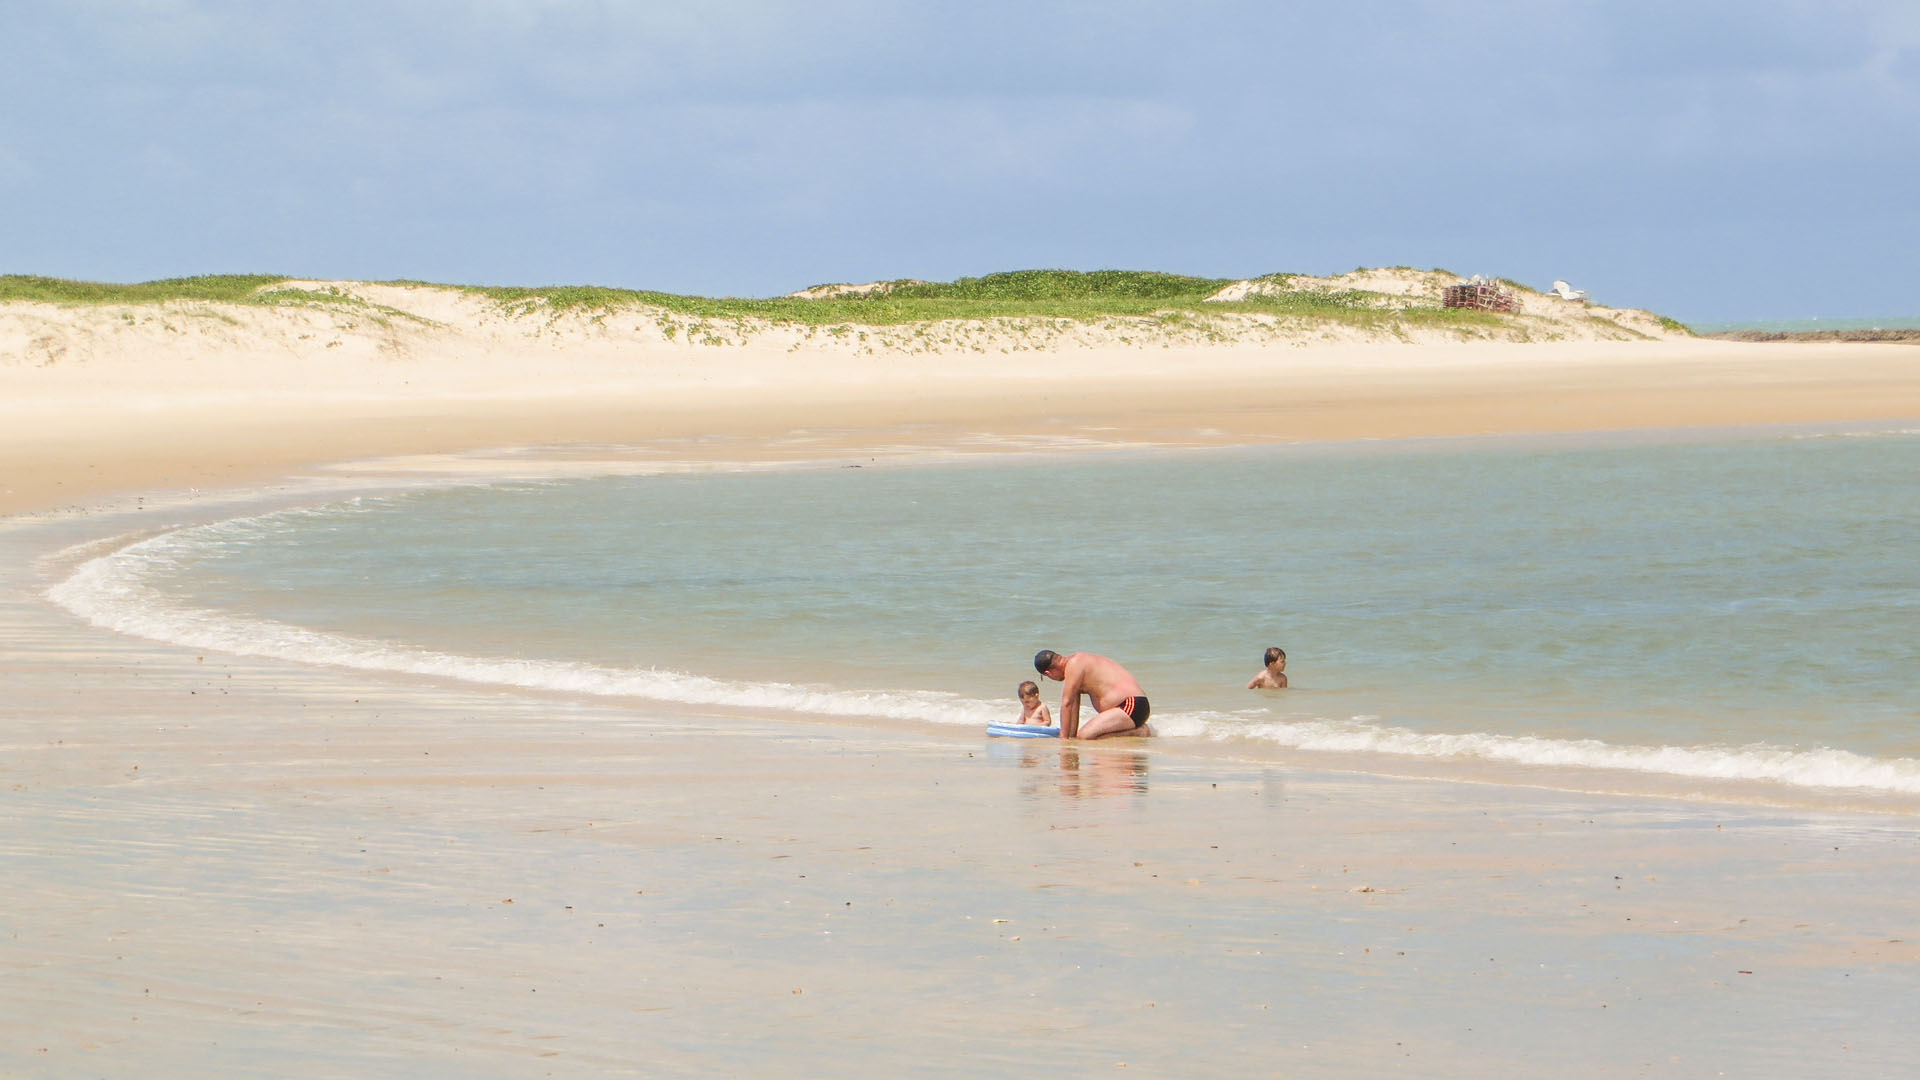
<point x="1120" y="708"/>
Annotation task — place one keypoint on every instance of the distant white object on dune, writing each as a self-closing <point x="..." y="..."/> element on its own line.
<point x="1567" y="292"/>
<point x="871" y="288"/>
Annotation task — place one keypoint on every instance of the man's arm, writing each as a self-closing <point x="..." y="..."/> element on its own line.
<point x="1070" y="703"/>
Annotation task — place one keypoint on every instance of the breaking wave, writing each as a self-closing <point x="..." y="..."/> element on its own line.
<point x="1818" y="768"/>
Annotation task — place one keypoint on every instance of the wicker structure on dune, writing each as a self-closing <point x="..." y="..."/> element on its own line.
<point x="1481" y="296"/>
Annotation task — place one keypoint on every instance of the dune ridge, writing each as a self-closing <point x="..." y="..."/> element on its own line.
<point x="198" y="382"/>
<point x="310" y="319"/>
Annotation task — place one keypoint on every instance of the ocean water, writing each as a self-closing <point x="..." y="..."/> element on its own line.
<point x="1885" y="322"/>
<point x="1743" y="609"/>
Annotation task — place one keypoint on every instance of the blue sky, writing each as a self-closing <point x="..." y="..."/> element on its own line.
<point x="1712" y="160"/>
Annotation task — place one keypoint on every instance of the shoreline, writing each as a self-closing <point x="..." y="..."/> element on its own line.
<point x="161" y="512"/>
<point x="233" y="865"/>
<point x="1891" y="337"/>
<point x="1398" y="398"/>
<point x="225" y="864"/>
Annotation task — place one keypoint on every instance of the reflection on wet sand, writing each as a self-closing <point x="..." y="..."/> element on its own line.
<point x="1076" y="772"/>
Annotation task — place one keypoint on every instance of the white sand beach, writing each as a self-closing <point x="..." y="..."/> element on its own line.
<point x="103" y="399"/>
<point x="224" y="866"/>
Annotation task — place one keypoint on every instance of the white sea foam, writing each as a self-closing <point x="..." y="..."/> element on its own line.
<point x="1818" y="768"/>
<point x="112" y="591"/>
<point x="1862" y="433"/>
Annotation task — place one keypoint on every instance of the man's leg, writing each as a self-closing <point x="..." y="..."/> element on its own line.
<point x="1110" y="722"/>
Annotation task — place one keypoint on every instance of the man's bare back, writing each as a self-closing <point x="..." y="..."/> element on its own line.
<point x="1120" y="706"/>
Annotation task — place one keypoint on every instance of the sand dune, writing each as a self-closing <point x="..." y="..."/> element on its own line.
<point x="119" y="397"/>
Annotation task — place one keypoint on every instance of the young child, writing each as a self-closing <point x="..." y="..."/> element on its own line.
<point x="1274" y="675"/>
<point x="1031" y="709"/>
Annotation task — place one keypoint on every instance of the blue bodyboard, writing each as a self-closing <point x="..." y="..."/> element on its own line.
<point x="1023" y="731"/>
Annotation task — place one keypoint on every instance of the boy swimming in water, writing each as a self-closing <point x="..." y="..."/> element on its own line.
<point x="1274" y="675"/>
<point x="1032" y="711"/>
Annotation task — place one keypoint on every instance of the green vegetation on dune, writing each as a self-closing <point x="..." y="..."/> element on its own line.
<point x="253" y="290"/>
<point x="1072" y="295"/>
<point x="1068" y="285"/>
<point x="223" y="288"/>
<point x="1363" y="310"/>
<point x="1064" y="295"/>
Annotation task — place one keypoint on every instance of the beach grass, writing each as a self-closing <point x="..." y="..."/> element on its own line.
<point x="251" y="290"/>
<point x="220" y="288"/>
<point x="1052" y="294"/>
<point x="1067" y="295"/>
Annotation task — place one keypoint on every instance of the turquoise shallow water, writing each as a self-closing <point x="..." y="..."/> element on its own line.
<point x="1744" y="608"/>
